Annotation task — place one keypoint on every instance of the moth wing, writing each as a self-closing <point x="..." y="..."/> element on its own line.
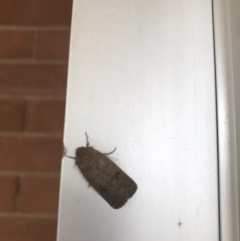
<point x="115" y="196"/>
<point x="114" y="185"/>
<point x="109" y="180"/>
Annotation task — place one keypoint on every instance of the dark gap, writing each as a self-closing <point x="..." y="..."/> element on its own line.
<point x="217" y="127"/>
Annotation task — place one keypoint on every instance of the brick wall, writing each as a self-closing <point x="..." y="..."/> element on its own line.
<point x="34" y="41"/>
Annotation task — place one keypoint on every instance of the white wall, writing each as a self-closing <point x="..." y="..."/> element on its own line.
<point x="141" y="77"/>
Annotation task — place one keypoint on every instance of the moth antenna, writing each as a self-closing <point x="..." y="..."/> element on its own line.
<point x="87" y="144"/>
<point x="110" y="152"/>
<point x="71" y="157"/>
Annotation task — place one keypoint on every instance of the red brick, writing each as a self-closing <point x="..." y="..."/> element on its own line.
<point x="52" y="44"/>
<point x="8" y="190"/>
<point x="12" y="114"/>
<point x="45" y="116"/>
<point x="33" y="78"/>
<point x="39" y="195"/>
<point x="16" y="43"/>
<point x="27" y="229"/>
<point x="30" y="154"/>
<point x="35" y="11"/>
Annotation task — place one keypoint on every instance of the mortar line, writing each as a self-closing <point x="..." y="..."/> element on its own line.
<point x="31" y="61"/>
<point x="34" y="27"/>
<point x="30" y="174"/>
<point x="32" y="135"/>
<point x="37" y="96"/>
<point x="22" y="215"/>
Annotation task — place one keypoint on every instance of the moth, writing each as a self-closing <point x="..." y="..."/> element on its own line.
<point x="108" y="179"/>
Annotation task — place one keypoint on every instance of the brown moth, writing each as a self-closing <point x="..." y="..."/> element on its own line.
<point x="109" y="180"/>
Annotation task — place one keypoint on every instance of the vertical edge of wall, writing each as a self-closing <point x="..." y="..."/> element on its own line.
<point x="64" y="148"/>
<point x="228" y="175"/>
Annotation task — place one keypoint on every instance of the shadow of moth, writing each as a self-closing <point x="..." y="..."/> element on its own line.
<point x="108" y="179"/>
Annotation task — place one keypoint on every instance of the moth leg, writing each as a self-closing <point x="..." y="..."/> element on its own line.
<point x="64" y="151"/>
<point x="110" y="152"/>
<point x="89" y="185"/>
<point x="87" y="144"/>
<point x="118" y="175"/>
<point x="71" y="157"/>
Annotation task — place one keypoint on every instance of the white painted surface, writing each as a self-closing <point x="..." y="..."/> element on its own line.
<point x="227" y="40"/>
<point x="141" y="77"/>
